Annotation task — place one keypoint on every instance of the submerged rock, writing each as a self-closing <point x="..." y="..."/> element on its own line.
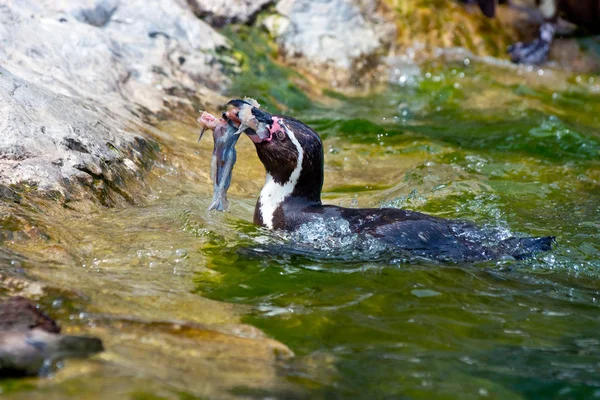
<point x="339" y="40"/>
<point x="30" y="341"/>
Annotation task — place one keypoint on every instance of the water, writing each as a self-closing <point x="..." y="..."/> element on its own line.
<point x="177" y="292"/>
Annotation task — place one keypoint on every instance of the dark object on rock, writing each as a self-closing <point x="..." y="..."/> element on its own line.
<point x="292" y="154"/>
<point x="219" y="13"/>
<point x="100" y="15"/>
<point x="30" y="341"/>
<point x="583" y="13"/>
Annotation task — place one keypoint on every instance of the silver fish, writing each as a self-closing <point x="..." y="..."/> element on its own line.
<point x="224" y="156"/>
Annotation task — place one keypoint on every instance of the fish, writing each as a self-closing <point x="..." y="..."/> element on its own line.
<point x="242" y="116"/>
<point x="224" y="156"/>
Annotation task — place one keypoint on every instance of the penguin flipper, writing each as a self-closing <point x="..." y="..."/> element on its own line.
<point x="488" y="7"/>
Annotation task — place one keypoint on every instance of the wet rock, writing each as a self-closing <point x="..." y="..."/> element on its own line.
<point x="205" y="361"/>
<point x="30" y="341"/>
<point x="221" y="12"/>
<point x="424" y="29"/>
<point x="446" y="28"/>
<point x="340" y="40"/>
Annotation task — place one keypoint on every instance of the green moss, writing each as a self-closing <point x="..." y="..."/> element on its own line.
<point x="260" y="76"/>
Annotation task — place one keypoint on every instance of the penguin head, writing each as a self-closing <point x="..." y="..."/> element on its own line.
<point x="291" y="152"/>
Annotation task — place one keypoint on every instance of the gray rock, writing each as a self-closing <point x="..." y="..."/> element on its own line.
<point x="52" y="141"/>
<point x="124" y="52"/>
<point x="221" y="12"/>
<point x="79" y="75"/>
<point x="344" y="37"/>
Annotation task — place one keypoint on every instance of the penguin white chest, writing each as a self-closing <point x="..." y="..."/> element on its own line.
<point x="273" y="194"/>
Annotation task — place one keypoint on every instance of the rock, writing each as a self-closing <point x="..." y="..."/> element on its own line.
<point x="116" y="52"/>
<point x="52" y="141"/>
<point x="221" y="12"/>
<point x="79" y="79"/>
<point x="30" y="341"/>
<point x="203" y="361"/>
<point x="276" y="24"/>
<point x="341" y="40"/>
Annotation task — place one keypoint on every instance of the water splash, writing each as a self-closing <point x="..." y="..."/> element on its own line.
<point x="325" y="240"/>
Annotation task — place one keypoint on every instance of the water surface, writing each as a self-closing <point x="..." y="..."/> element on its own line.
<point x="514" y="149"/>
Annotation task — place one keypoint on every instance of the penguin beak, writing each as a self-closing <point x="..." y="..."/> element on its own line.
<point x="238" y="103"/>
<point x="262" y="116"/>
<point x="251" y="120"/>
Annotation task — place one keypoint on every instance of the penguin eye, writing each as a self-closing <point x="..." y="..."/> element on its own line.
<point x="280" y="135"/>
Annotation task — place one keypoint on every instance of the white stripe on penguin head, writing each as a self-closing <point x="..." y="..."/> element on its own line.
<point x="273" y="193"/>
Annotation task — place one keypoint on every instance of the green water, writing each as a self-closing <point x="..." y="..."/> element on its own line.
<point x="496" y="153"/>
<point x="512" y="149"/>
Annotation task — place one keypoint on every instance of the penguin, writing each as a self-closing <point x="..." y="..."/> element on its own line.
<point x="583" y="13"/>
<point x="292" y="155"/>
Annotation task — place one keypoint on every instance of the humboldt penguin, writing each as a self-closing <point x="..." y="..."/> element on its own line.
<point x="583" y="13"/>
<point x="292" y="154"/>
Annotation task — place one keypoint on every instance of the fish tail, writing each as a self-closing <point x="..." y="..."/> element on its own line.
<point x="219" y="202"/>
